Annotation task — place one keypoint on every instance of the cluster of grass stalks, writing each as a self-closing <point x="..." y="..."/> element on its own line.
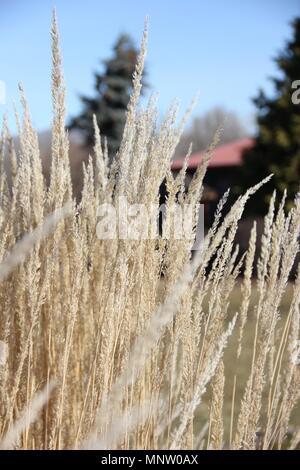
<point x="118" y="343"/>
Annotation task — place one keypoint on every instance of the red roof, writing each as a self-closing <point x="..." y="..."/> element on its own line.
<point x="224" y="155"/>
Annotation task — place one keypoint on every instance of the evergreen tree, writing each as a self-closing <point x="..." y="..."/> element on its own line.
<point x="277" y="148"/>
<point x="113" y="88"/>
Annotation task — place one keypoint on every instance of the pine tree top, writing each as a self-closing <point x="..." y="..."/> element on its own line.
<point x="277" y="148"/>
<point x="112" y="87"/>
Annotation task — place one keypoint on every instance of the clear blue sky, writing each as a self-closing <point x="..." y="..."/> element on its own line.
<point x="222" y="48"/>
